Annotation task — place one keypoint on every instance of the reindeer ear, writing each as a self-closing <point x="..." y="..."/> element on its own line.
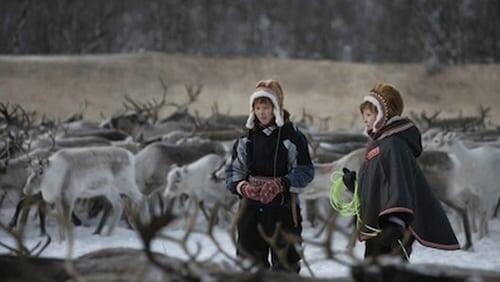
<point x="44" y="162"/>
<point x="437" y="138"/>
<point x="450" y="136"/>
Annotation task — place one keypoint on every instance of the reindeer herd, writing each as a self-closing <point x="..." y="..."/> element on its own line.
<point x="138" y="160"/>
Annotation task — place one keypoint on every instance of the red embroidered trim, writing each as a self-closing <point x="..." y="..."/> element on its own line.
<point x="395" y="209"/>
<point x="373" y="153"/>
<point x="362" y="238"/>
<point x="434" y="245"/>
<point x="429" y="244"/>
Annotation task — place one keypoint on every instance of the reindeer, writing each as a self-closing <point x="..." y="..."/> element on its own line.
<point x="154" y="161"/>
<point x="15" y="127"/>
<point x="174" y="136"/>
<point x="69" y="142"/>
<point x="15" y="172"/>
<point x="477" y="169"/>
<point x="200" y="182"/>
<point x="319" y="188"/>
<point x="141" y="120"/>
<point x="442" y="171"/>
<point x="84" y="173"/>
<point x="466" y="123"/>
<point x="13" y="176"/>
<point x="109" y="134"/>
<point x="136" y="114"/>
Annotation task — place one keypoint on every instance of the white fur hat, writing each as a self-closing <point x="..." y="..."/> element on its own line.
<point x="379" y="102"/>
<point x="277" y="106"/>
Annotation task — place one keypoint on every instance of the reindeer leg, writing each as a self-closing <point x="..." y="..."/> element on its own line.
<point x="3" y="198"/>
<point x="465" y="219"/>
<point x="114" y="199"/>
<point x="63" y="218"/>
<point x="19" y="207"/>
<point x="311" y="212"/>
<point x="96" y="205"/>
<point x="495" y="213"/>
<point x="475" y="226"/>
<point x="105" y="215"/>
<point x="325" y="225"/>
<point x="201" y="205"/>
<point x="75" y="220"/>
<point x="186" y="205"/>
<point x="26" y="208"/>
<point x="162" y="204"/>
<point x="472" y="205"/>
<point x="128" y="211"/>
<point x="483" y="225"/>
<point x="468" y="240"/>
<point x="42" y="209"/>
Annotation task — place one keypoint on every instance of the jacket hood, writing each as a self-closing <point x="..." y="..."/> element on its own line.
<point x="405" y="130"/>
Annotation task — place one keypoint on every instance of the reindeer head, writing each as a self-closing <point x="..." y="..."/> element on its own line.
<point x="174" y="177"/>
<point x="127" y="122"/>
<point x="219" y="173"/>
<point x="428" y="136"/>
<point x="38" y="169"/>
<point x="442" y="141"/>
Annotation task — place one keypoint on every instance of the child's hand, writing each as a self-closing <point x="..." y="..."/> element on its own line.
<point x="249" y="191"/>
<point x="390" y="235"/>
<point x="349" y="179"/>
<point x="269" y="191"/>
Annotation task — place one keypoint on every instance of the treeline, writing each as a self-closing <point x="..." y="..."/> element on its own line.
<point x="435" y="31"/>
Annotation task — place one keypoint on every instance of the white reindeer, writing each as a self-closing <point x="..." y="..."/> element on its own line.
<point x="478" y="170"/>
<point x="85" y="173"/>
<point x="13" y="175"/>
<point x="174" y="136"/>
<point x="199" y="181"/>
<point x="15" y="172"/>
<point x="317" y="193"/>
<point x="442" y="172"/>
<point x="154" y="161"/>
<point x="320" y="186"/>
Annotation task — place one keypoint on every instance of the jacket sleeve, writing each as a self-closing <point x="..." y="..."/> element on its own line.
<point x="237" y="170"/>
<point x="301" y="169"/>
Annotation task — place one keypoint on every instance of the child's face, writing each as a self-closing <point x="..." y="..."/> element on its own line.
<point x="369" y="118"/>
<point x="264" y="112"/>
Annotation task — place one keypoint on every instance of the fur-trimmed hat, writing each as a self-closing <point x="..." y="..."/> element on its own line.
<point x="388" y="102"/>
<point x="276" y="97"/>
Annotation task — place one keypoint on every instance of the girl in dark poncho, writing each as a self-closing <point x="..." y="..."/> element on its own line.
<point x="397" y="205"/>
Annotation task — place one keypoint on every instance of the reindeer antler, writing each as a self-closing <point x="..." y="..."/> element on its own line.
<point x="150" y="108"/>
<point x="193" y="91"/>
<point x="306" y="117"/>
<point x="430" y="119"/>
<point x="6" y="115"/>
<point x="483" y="111"/>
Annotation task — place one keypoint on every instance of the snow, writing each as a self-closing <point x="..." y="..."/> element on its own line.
<point x="483" y="256"/>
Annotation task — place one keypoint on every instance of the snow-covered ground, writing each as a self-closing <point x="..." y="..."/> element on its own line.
<point x="484" y="256"/>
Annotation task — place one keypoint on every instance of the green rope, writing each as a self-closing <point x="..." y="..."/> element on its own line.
<point x="337" y="200"/>
<point x="350" y="208"/>
<point x="404" y="250"/>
